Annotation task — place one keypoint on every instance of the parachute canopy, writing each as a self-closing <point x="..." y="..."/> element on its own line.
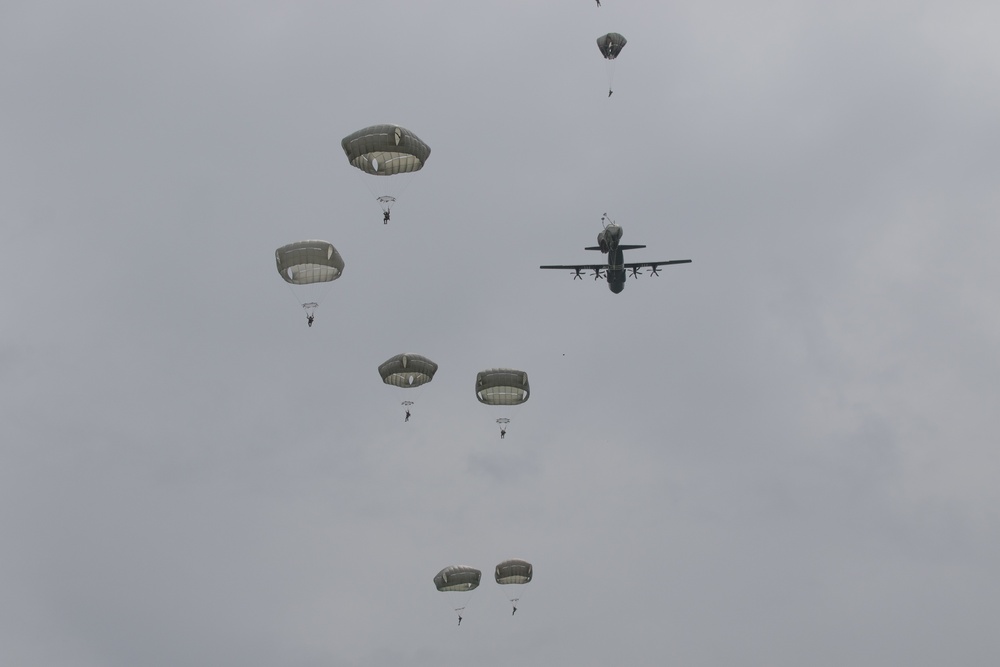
<point x="513" y="571"/>
<point x="384" y="150"/>
<point x="502" y="386"/>
<point x="457" y="578"/>
<point x="407" y="370"/>
<point x="611" y="45"/>
<point x="307" y="262"/>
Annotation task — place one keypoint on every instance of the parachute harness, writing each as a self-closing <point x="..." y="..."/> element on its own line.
<point x="310" y="306"/>
<point x="385" y="201"/>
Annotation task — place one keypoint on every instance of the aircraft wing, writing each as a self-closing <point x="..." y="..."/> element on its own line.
<point x="577" y="267"/>
<point x="653" y="265"/>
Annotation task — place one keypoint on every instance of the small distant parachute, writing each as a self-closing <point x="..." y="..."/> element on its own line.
<point x="407" y="371"/>
<point x="611" y="45"/>
<point x="309" y="263"/>
<point x="514" y="571"/>
<point x="458" y="579"/>
<point x="503" y="420"/>
<point x="386" y="150"/>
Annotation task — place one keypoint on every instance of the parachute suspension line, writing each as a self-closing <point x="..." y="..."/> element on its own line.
<point x="407" y="179"/>
<point x="310" y="312"/>
<point x="386" y="196"/>
<point x="375" y="195"/>
<point x="466" y="598"/>
<point x="310" y="306"/>
<point x="380" y="194"/>
<point x="324" y="293"/>
<point x="292" y="292"/>
<point x="515" y="600"/>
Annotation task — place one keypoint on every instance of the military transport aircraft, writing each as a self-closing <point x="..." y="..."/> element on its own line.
<point x="616" y="269"/>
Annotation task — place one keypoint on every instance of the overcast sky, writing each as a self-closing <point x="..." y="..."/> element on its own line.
<point x="782" y="454"/>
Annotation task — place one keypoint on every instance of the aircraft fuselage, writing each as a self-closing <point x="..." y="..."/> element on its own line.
<point x="607" y="242"/>
<point x="616" y="270"/>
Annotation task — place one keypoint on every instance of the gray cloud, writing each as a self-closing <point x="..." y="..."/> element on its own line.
<point x="780" y="453"/>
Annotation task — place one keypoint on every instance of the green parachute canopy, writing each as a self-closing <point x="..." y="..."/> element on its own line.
<point x="502" y="386"/>
<point x="407" y="370"/>
<point x="513" y="571"/>
<point x="385" y="150"/>
<point x="457" y="578"/>
<point x="307" y="262"/>
<point x="611" y="44"/>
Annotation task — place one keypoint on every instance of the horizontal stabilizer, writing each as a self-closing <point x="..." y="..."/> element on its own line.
<point x="621" y="247"/>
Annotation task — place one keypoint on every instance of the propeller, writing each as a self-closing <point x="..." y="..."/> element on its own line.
<point x="577" y="275"/>
<point x="654" y="271"/>
<point x="597" y="274"/>
<point x="636" y="272"/>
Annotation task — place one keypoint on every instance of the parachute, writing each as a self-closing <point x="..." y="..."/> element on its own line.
<point x="513" y="571"/>
<point x="386" y="150"/>
<point x="458" y="579"/>
<point x="309" y="263"/>
<point x="611" y="45"/>
<point x="502" y="386"/>
<point x="407" y="371"/>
